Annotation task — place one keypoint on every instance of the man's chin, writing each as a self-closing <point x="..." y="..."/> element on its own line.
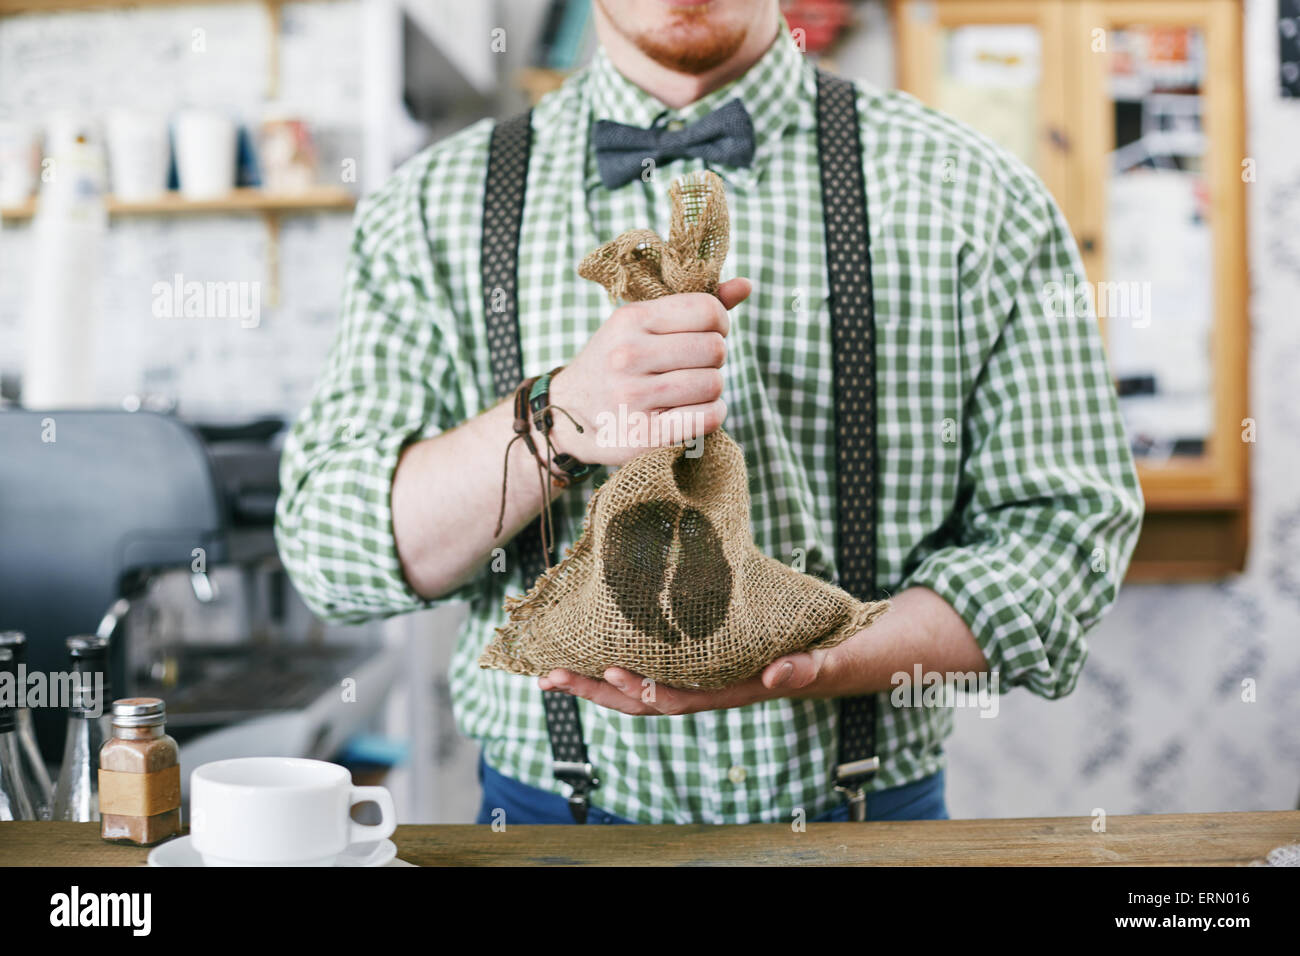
<point x="693" y="47"/>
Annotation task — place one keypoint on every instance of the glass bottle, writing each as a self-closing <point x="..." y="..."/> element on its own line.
<point x="31" y="765"/>
<point x="139" y="775"/>
<point x="14" y="801"/>
<point x="76" y="795"/>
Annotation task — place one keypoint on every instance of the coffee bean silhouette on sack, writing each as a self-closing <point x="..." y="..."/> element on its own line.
<point x="665" y="579"/>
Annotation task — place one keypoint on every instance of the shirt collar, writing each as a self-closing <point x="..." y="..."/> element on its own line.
<point x="771" y="90"/>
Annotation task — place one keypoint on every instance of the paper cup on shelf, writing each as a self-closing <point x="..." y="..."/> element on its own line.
<point x="206" y="151"/>
<point x="138" y="154"/>
<point x="20" y="156"/>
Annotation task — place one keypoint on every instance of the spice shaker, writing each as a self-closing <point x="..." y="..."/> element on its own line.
<point x="139" y="775"/>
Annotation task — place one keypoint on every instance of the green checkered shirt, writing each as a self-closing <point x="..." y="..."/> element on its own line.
<point x="1006" y="483"/>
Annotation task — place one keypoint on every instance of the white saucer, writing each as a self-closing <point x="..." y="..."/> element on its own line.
<point x="181" y="852"/>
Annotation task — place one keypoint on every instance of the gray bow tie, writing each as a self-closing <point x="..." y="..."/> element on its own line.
<point x="724" y="136"/>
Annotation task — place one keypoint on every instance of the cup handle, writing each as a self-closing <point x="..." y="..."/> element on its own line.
<point x="372" y="832"/>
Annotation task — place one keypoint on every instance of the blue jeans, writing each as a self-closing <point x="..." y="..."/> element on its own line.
<point x="921" y="800"/>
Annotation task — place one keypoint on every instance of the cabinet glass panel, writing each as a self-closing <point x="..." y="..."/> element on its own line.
<point x="989" y="78"/>
<point x="1157" y="297"/>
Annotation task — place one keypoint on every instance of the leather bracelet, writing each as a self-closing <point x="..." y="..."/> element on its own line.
<point x="539" y="400"/>
<point x="531" y="407"/>
<point x="522" y="424"/>
<point x="523" y="428"/>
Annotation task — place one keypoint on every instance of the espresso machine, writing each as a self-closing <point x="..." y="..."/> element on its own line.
<point x="126" y="523"/>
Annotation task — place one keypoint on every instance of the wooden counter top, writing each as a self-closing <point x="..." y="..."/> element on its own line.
<point x="1191" y="839"/>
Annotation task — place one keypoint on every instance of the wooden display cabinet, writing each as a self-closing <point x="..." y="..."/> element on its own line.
<point x="1131" y="111"/>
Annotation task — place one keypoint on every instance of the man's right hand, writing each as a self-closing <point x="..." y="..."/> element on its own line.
<point x="659" y="358"/>
<point x="653" y="366"/>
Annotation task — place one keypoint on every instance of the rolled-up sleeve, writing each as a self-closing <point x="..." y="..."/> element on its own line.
<point x="390" y="379"/>
<point x="1049" y="505"/>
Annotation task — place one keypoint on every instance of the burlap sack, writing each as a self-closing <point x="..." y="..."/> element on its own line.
<point x="665" y="579"/>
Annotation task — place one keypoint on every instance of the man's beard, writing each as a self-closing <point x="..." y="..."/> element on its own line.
<point x="692" y="44"/>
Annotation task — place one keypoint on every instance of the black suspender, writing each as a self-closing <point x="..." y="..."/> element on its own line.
<point x="848" y="263"/>
<point x="852" y="317"/>
<point x="503" y="211"/>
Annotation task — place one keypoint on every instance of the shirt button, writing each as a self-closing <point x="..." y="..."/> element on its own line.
<point x="737" y="774"/>
<point x="674" y="125"/>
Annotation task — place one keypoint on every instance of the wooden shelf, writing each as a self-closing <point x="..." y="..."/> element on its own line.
<point x="270" y="206"/>
<point x="320" y="199"/>
<point x="8" y="7"/>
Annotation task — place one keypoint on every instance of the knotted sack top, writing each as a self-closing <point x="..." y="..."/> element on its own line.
<point x="638" y="265"/>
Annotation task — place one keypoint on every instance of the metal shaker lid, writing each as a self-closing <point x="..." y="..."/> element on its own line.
<point x="139" y="712"/>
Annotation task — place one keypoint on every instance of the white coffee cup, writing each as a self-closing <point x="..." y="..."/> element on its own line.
<point x="280" y="811"/>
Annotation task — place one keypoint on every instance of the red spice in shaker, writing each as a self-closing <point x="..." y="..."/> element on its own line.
<point x="139" y="776"/>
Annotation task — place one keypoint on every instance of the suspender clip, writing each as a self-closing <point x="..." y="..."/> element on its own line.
<point x="849" y="778"/>
<point x="581" y="777"/>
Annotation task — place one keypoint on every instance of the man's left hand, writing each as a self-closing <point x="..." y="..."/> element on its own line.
<point x="795" y="675"/>
<point x="921" y="629"/>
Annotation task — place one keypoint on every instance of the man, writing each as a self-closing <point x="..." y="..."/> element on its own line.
<point x="1008" y="501"/>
